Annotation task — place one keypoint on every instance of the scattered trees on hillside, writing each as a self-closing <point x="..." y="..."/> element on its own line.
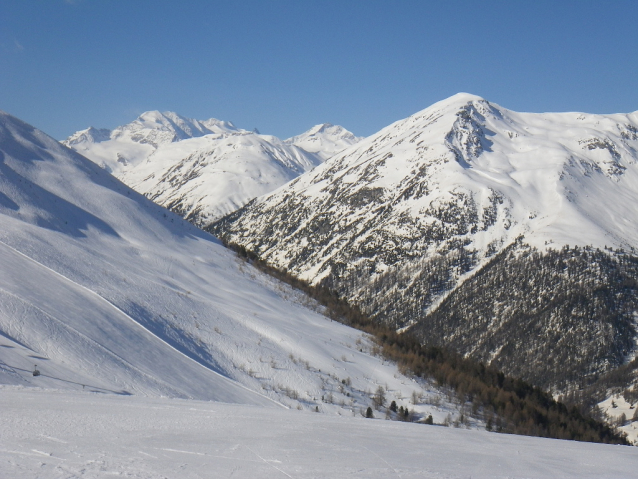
<point x="510" y="404"/>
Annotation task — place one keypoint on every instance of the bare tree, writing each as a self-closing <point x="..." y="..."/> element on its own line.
<point x="379" y="398"/>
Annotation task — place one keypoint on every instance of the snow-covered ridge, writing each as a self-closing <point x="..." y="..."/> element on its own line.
<point x="154" y="127"/>
<point x="204" y="170"/>
<point x="126" y="146"/>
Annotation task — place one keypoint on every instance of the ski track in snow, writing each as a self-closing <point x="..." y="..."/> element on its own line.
<point x="146" y="331"/>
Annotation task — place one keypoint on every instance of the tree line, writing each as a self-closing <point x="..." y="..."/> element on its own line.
<point x="507" y="404"/>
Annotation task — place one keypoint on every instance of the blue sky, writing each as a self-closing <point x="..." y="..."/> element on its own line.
<point x="284" y="66"/>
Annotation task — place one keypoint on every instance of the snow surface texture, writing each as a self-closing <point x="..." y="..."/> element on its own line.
<point x="204" y="170"/>
<point x="105" y="291"/>
<point x="82" y="435"/>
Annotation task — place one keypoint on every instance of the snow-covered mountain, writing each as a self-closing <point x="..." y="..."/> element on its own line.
<point x="105" y="291"/>
<point x="446" y="199"/>
<point x="204" y="170"/>
<point x="324" y="140"/>
<point x="122" y="149"/>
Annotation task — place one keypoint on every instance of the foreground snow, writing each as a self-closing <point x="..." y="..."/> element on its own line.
<point x="83" y="435"/>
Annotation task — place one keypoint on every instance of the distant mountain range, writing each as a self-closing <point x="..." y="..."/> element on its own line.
<point x="508" y="236"/>
<point x="204" y="170"/>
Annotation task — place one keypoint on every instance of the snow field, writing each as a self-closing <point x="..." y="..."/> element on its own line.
<point x="614" y="407"/>
<point x="71" y="434"/>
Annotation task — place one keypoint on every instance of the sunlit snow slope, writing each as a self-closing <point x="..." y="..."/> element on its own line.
<point x="204" y="170"/>
<point x="463" y="171"/>
<point x="105" y="291"/>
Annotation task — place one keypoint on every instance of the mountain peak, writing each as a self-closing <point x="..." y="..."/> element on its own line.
<point x="320" y="128"/>
<point x="153" y="115"/>
<point x="463" y="97"/>
<point x="458" y="101"/>
<point x="179" y="126"/>
<point x="453" y="104"/>
<point x="90" y="135"/>
<point x="324" y="140"/>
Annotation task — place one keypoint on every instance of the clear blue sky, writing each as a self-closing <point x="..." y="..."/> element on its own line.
<point x="283" y="66"/>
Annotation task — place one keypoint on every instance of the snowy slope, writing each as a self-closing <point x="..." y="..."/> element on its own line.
<point x="203" y="170"/>
<point x="105" y="291"/>
<point x="80" y="435"/>
<point x="206" y="178"/>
